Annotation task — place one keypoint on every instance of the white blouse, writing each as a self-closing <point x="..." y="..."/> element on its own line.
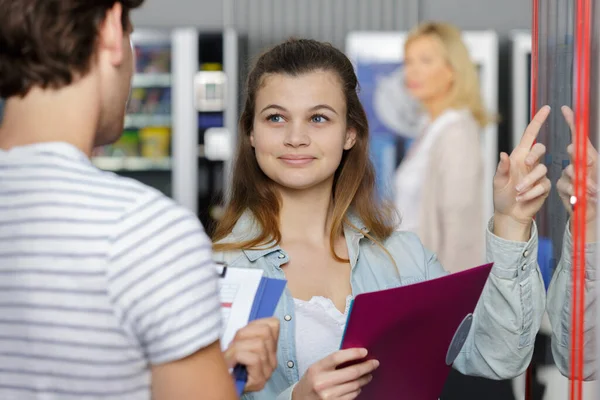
<point x="410" y="175"/>
<point x="319" y="330"/>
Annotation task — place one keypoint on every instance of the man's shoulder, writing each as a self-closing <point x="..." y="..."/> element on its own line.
<point x="158" y="218"/>
<point x="144" y="196"/>
<point x="124" y="183"/>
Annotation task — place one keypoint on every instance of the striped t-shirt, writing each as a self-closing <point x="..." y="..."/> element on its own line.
<point x="100" y="278"/>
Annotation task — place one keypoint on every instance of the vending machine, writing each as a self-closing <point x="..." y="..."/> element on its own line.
<point x="154" y="126"/>
<point x="217" y="97"/>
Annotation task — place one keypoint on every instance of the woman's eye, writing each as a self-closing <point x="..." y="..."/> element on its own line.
<point x="275" y="118"/>
<point x="319" y="118"/>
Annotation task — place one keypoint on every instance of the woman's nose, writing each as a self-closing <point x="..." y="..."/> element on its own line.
<point x="297" y="135"/>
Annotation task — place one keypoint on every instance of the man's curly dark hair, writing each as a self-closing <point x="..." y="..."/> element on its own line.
<point x="46" y="43"/>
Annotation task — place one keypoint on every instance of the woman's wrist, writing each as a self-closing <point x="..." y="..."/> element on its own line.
<point x="590" y="230"/>
<point x="509" y="228"/>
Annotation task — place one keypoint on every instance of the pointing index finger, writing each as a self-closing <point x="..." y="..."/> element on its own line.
<point x="533" y="129"/>
<point x="569" y="118"/>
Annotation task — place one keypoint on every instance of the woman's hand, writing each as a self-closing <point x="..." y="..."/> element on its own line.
<point x="255" y="346"/>
<point x="565" y="185"/>
<point x="323" y="381"/>
<point x="520" y="184"/>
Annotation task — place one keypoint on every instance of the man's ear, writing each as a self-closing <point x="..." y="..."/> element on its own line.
<point x="111" y="35"/>
<point x="350" y="139"/>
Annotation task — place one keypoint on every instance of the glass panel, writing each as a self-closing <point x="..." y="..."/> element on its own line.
<point x="564" y="84"/>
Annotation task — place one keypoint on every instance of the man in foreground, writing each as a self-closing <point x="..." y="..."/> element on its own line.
<point x="107" y="287"/>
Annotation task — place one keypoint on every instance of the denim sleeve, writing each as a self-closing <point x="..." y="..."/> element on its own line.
<point x="509" y="312"/>
<point x="560" y="303"/>
<point x="286" y="394"/>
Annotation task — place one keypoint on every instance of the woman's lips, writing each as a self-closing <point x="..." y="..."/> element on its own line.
<point x="293" y="159"/>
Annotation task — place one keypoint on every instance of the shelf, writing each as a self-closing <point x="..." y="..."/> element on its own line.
<point x="132" y="163"/>
<point x="151" y="80"/>
<point x="142" y="121"/>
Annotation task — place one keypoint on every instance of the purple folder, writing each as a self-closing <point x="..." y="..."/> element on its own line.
<point x="415" y="332"/>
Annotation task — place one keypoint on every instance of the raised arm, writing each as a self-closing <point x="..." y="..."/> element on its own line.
<point x="510" y="310"/>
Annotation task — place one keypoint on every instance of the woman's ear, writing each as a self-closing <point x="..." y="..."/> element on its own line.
<point x="350" y="138"/>
<point x="252" y="138"/>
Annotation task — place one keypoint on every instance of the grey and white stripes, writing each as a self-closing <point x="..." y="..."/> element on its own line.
<point x="100" y="277"/>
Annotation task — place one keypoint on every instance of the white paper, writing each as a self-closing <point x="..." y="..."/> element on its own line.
<point x="237" y="291"/>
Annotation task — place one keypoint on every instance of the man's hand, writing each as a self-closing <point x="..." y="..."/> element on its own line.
<point x="255" y="346"/>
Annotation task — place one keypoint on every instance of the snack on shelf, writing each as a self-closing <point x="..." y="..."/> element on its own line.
<point x="155" y="142"/>
<point x="211" y="67"/>
<point x="128" y="145"/>
<point x="136" y="100"/>
<point x="153" y="59"/>
<point x="153" y="101"/>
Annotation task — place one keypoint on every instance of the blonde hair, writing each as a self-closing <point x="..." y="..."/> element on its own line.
<point x="465" y="91"/>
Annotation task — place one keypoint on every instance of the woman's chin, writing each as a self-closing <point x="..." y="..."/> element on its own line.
<point x="299" y="184"/>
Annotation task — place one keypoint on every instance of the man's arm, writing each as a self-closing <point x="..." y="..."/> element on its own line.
<point x="162" y="283"/>
<point x="203" y="375"/>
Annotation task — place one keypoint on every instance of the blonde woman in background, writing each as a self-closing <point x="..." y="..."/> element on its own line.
<point x="438" y="185"/>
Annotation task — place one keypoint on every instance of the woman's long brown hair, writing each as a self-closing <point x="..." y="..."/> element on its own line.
<point x="354" y="181"/>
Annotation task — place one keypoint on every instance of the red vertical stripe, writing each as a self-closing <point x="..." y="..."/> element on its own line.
<point x="583" y="140"/>
<point x="577" y="106"/>
<point x="582" y="70"/>
<point x="533" y="106"/>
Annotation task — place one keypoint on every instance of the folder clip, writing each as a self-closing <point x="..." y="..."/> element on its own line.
<point x="221" y="268"/>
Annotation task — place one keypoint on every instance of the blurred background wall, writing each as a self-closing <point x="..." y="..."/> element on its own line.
<point x="265" y="22"/>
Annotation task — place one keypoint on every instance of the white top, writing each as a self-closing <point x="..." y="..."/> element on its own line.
<point x="410" y="175"/>
<point x="319" y="330"/>
<point x="100" y="277"/>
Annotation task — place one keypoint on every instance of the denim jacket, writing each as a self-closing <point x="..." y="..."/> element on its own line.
<point x="560" y="303"/>
<point x="506" y="319"/>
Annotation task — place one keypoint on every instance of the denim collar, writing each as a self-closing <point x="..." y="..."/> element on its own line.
<point x="247" y="228"/>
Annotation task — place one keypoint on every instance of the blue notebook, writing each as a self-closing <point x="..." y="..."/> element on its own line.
<point x="267" y="296"/>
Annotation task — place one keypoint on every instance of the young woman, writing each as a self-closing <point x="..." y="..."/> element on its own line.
<point x="438" y="185"/>
<point x="303" y="207"/>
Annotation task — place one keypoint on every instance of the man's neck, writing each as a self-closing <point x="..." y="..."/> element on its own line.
<point x="67" y="115"/>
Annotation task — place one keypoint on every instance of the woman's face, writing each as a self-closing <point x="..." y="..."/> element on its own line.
<point x="300" y="130"/>
<point x="428" y="75"/>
